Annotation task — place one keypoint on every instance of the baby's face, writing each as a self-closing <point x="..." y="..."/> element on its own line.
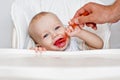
<point x="52" y="33"/>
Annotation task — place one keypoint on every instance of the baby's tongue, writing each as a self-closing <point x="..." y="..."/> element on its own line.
<point x="60" y="42"/>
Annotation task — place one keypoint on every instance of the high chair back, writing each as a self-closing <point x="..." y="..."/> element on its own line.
<point x="22" y="12"/>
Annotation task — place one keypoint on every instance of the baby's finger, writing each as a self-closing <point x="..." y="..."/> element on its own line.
<point x="36" y="49"/>
<point x="44" y="49"/>
<point x="67" y="31"/>
<point x="81" y="26"/>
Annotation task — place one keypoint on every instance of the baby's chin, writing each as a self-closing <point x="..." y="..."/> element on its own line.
<point x="62" y="49"/>
<point x="55" y="48"/>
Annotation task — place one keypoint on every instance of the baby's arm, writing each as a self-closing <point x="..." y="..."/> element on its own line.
<point x="92" y="40"/>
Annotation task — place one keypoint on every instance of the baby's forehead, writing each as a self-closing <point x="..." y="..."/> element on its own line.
<point x="51" y="16"/>
<point x="46" y="19"/>
<point x="42" y="15"/>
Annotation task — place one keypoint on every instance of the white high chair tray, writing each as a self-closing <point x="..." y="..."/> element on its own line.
<point x="19" y="64"/>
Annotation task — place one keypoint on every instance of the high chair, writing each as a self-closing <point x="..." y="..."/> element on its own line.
<point x="22" y="12"/>
<point x="79" y="65"/>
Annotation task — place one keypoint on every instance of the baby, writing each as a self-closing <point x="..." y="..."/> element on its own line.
<point x="49" y="33"/>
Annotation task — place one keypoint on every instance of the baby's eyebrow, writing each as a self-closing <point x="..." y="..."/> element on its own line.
<point x="44" y="33"/>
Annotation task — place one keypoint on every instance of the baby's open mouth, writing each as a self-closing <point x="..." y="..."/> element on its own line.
<point x="61" y="42"/>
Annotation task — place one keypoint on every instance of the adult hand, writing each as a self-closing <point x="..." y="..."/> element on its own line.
<point x="98" y="14"/>
<point x="89" y="24"/>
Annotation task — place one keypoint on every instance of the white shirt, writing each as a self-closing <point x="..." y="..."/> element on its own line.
<point x="73" y="45"/>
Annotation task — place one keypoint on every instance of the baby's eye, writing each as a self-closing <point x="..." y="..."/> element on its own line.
<point x="57" y="27"/>
<point x="45" y="35"/>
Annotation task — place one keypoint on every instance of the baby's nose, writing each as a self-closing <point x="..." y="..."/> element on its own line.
<point x="53" y="34"/>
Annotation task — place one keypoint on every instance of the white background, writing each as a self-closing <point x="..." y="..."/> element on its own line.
<point x="6" y="26"/>
<point x="5" y="23"/>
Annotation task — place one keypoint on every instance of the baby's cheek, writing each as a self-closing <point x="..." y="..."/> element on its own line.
<point x="45" y="41"/>
<point x="48" y="41"/>
<point x="48" y="44"/>
<point x="62" y="31"/>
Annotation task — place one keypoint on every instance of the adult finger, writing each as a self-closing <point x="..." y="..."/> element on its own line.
<point x="92" y="25"/>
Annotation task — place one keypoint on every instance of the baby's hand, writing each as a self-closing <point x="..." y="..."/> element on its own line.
<point x="73" y="31"/>
<point x="38" y="49"/>
<point x="74" y="25"/>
